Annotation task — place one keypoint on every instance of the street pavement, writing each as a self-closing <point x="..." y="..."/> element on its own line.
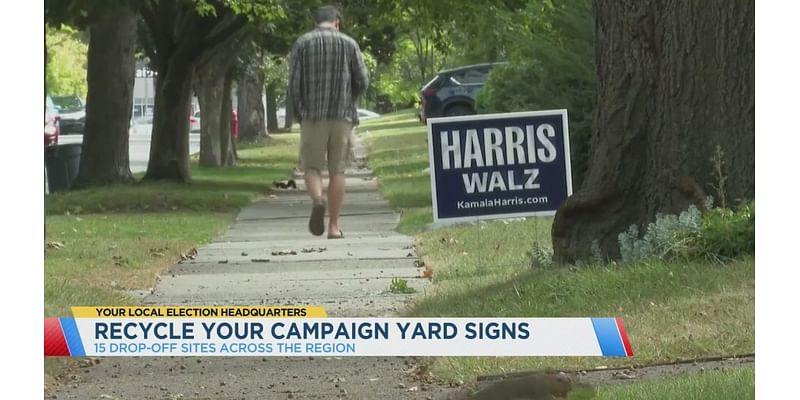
<point x="350" y="277"/>
<point x="138" y="146"/>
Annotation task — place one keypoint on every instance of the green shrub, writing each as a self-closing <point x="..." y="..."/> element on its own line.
<point x="729" y="233"/>
<point x="718" y="234"/>
<point x="669" y="236"/>
<point x="551" y="67"/>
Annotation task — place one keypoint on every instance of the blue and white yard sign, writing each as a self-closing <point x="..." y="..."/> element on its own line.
<point x="499" y="165"/>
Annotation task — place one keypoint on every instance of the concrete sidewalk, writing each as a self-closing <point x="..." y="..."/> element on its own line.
<point x="244" y="266"/>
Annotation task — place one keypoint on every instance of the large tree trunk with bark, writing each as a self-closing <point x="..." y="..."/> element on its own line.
<point x="179" y="39"/>
<point x="251" y="106"/>
<point x="676" y="81"/>
<point x="169" y="146"/>
<point x="109" y="101"/>
<point x="272" y="107"/>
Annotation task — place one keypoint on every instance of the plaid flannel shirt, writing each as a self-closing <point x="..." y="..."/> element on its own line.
<point x="326" y="76"/>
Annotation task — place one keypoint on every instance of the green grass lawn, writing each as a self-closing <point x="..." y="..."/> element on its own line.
<point x="671" y="310"/>
<point x="105" y="241"/>
<point x="398" y="153"/>
<point x="735" y="384"/>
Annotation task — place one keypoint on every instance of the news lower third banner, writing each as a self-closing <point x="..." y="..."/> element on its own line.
<point x="306" y="331"/>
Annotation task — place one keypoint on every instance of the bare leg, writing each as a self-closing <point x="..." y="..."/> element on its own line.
<point x="335" y="199"/>
<point x="314" y="185"/>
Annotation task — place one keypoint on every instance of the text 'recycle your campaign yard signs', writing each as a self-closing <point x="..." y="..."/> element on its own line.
<point x="499" y="165"/>
<point x="307" y="331"/>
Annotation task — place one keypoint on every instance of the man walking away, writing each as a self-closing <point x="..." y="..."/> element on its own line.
<point x="326" y="76"/>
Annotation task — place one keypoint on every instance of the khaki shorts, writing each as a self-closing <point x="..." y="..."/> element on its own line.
<point x="325" y="140"/>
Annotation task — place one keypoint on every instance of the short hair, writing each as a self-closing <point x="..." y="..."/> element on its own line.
<point x="327" y="14"/>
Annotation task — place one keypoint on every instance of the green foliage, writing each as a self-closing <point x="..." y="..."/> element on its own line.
<point x="719" y="234"/>
<point x="669" y="237"/>
<point x="253" y="9"/>
<point x="66" y="62"/>
<point x="551" y="68"/>
<point x="489" y="31"/>
<point x="729" y="233"/>
<point x="718" y="384"/>
<point x="275" y="70"/>
<point x="400" y="285"/>
<point x="414" y="63"/>
<point x="540" y="256"/>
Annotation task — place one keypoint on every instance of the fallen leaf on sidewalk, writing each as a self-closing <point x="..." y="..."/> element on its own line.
<point x="624" y="375"/>
<point x="88" y="362"/>
<point x="222" y="262"/>
<point x="190" y="255"/>
<point x="313" y="249"/>
<point x="55" y="245"/>
<point x="260" y="260"/>
<point x="284" y="253"/>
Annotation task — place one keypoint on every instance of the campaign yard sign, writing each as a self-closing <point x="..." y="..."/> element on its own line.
<point x="499" y="165"/>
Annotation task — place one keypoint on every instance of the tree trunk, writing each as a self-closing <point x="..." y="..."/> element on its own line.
<point x="288" y="119"/>
<point x="251" y="107"/>
<point x="169" y="147"/>
<point x="109" y="101"/>
<point x="227" y="145"/>
<point x="272" y="108"/>
<point x="214" y="77"/>
<point x="210" y="83"/>
<point x="675" y="81"/>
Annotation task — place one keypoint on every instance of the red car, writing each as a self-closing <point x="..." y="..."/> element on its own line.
<point x="51" y="123"/>
<point x="194" y="123"/>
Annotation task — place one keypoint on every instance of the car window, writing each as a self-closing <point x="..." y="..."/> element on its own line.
<point x="68" y="102"/>
<point x="477" y="75"/>
<point x="432" y="84"/>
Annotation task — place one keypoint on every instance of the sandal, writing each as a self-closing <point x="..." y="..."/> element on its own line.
<point x="339" y="236"/>
<point x="316" y="223"/>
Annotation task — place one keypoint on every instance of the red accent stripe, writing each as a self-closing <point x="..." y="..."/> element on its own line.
<point x="55" y="344"/>
<point x="624" y="335"/>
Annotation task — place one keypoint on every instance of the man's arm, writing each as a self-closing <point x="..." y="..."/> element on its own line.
<point x="358" y="72"/>
<point x="295" y="80"/>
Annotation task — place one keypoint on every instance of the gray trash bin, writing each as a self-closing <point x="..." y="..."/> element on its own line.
<point x="63" y="161"/>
